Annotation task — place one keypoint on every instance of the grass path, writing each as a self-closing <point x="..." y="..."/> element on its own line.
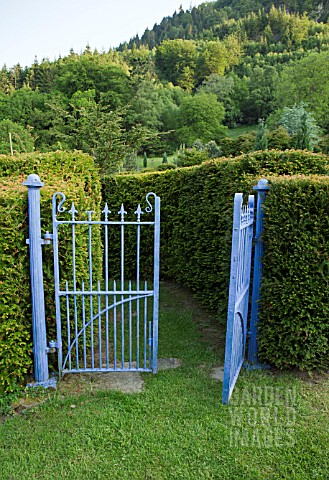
<point x="276" y="426"/>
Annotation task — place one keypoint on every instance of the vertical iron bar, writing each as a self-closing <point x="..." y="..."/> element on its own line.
<point x="122" y="297"/>
<point x="262" y="188"/>
<point x="84" y="327"/>
<point x="38" y="304"/>
<point x="145" y="325"/>
<point x="75" y="297"/>
<point x="106" y="245"/>
<point x="99" y="326"/>
<point x="137" y="333"/>
<point x="150" y="344"/>
<point x="57" y="287"/>
<point x="90" y="289"/>
<point x="130" y="326"/>
<point x="68" y="323"/>
<point x="114" y="327"/>
<point x="156" y="284"/>
<point x="137" y="288"/>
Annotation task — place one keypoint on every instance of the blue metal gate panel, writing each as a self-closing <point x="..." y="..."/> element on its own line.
<point x="108" y="325"/>
<point x="236" y="334"/>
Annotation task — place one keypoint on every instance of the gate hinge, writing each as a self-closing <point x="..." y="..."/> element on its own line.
<point x="150" y="342"/>
<point x="48" y="237"/>
<point x="52" y="346"/>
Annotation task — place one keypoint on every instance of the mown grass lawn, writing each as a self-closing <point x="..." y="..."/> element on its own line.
<point x="154" y="162"/>
<point x="276" y="426"/>
<point x="236" y="132"/>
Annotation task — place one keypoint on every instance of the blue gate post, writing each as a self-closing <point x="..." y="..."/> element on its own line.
<point x="262" y="188"/>
<point x="156" y="281"/>
<point x="40" y="350"/>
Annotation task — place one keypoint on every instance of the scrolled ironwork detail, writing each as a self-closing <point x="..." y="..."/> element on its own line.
<point x="149" y="209"/>
<point x="58" y="208"/>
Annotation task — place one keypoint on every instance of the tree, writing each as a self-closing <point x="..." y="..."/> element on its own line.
<point x="98" y="72"/>
<point x="175" y="61"/>
<point x="307" y="81"/>
<point x="261" y="138"/>
<point x="213" y="58"/>
<point x="22" y="139"/>
<point x="301" y="126"/>
<point x="96" y="129"/>
<point x="259" y="102"/>
<point x="279" y="138"/>
<point x="200" y="117"/>
<point x="231" y="91"/>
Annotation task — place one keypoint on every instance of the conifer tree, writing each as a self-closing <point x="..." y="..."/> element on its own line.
<point x="261" y="137"/>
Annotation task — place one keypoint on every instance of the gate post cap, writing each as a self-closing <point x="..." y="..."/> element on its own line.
<point x="262" y="185"/>
<point x="33" y="180"/>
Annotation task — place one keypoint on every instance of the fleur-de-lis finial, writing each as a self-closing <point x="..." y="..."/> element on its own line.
<point x="122" y="212"/>
<point x="106" y="212"/>
<point x="73" y="211"/>
<point x="139" y="212"/>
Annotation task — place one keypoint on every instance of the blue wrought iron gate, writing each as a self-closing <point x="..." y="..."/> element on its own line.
<point x="236" y="334"/>
<point x="106" y="324"/>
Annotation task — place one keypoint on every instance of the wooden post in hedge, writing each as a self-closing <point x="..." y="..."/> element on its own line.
<point x="262" y="188"/>
<point x="40" y="349"/>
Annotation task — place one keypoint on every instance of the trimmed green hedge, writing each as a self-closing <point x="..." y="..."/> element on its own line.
<point x="294" y="313"/>
<point x="72" y="173"/>
<point x="196" y="216"/>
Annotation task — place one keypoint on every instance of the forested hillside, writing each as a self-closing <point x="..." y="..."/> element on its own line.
<point x="202" y="22"/>
<point x="188" y="81"/>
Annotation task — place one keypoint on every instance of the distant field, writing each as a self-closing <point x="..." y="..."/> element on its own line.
<point x="235" y="132"/>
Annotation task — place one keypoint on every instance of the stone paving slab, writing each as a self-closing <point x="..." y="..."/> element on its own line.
<point x="217" y="373"/>
<point x="125" y="382"/>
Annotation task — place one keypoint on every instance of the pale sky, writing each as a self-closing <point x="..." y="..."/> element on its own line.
<point x="49" y="28"/>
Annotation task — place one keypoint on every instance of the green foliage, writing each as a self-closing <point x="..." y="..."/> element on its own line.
<point x="94" y="71"/>
<point x="306" y="80"/>
<point x="213" y="149"/>
<point x="301" y="126"/>
<point x="323" y="145"/>
<point x="145" y="160"/>
<point x="244" y="143"/>
<point x="187" y="157"/>
<point x="260" y="97"/>
<point x="294" y="329"/>
<point x="261" y="137"/>
<point x="130" y="162"/>
<point x="268" y="21"/>
<point x="197" y="219"/>
<point x="200" y="117"/>
<point x="199" y="51"/>
<point x="22" y="140"/>
<point x="198" y="153"/>
<point x="182" y="54"/>
<point x="74" y="174"/>
<point x="279" y="139"/>
<point x="165" y="166"/>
